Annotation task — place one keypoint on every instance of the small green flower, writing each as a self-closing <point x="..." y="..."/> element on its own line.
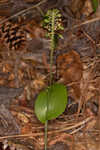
<point x="47" y="22"/>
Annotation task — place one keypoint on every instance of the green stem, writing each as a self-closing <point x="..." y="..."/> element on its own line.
<point x="51" y="64"/>
<point x="52" y="46"/>
<point x="46" y="135"/>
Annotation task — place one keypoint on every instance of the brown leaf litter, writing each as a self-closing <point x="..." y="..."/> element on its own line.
<point x="25" y="68"/>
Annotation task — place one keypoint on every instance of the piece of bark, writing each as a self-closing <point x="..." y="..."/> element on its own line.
<point x="8" y="94"/>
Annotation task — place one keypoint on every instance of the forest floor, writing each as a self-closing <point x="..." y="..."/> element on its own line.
<point x="24" y="72"/>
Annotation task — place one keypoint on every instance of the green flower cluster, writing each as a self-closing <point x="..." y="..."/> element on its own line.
<point x="47" y="23"/>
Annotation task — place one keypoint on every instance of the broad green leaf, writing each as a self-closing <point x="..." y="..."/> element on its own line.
<point x="51" y="102"/>
<point x="95" y="5"/>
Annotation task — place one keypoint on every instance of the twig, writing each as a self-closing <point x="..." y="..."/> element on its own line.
<point x="84" y="23"/>
<point x="23" y="11"/>
<point x="82" y="123"/>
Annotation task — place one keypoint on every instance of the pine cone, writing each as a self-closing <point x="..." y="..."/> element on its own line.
<point x="13" y="36"/>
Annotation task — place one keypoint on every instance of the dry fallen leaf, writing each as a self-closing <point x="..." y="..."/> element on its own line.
<point x="11" y="76"/>
<point x="2" y="81"/>
<point x="7" y="68"/>
<point x="70" y="67"/>
<point x="87" y="9"/>
<point x="26" y="129"/>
